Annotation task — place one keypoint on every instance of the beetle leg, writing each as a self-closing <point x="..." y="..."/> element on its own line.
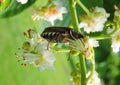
<point x="48" y="45"/>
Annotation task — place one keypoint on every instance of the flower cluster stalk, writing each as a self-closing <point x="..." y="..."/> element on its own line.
<point x="93" y="66"/>
<point x="83" y="69"/>
<point x="76" y="27"/>
<point x="73" y="12"/>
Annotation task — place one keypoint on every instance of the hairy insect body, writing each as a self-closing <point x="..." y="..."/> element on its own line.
<point x="60" y="34"/>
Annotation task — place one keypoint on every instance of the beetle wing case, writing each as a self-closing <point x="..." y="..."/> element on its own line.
<point x="60" y="34"/>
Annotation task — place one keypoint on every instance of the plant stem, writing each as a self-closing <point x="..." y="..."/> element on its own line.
<point x="83" y="7"/>
<point x="72" y="64"/>
<point x="93" y="65"/>
<point x="83" y="69"/>
<point x="101" y="37"/>
<point x="72" y="4"/>
<point x="74" y="18"/>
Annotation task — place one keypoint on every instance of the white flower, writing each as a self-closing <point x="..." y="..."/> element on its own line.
<point x="55" y="13"/>
<point x="34" y="40"/>
<point x="36" y="16"/>
<point x="94" y="80"/>
<point x="42" y="59"/>
<point x="94" y="22"/>
<point x="84" y="45"/>
<point x="22" y="1"/>
<point x="116" y="41"/>
<point x="92" y="42"/>
<point x="35" y="52"/>
<point x="78" y="45"/>
<point x="52" y="13"/>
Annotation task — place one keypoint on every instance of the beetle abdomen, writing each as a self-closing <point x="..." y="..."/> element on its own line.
<point x="60" y="34"/>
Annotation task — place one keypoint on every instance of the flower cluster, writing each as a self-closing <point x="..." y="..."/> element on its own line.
<point x="22" y="1"/>
<point x="84" y="45"/>
<point x="94" y="80"/>
<point x="95" y="21"/>
<point x="116" y="41"/>
<point x="50" y="13"/>
<point x="35" y="51"/>
<point x="76" y="77"/>
<point x="116" y="32"/>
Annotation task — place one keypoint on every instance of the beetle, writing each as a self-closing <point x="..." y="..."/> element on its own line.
<point x="61" y="35"/>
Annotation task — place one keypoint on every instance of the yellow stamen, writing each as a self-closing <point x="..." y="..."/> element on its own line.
<point x="42" y="58"/>
<point x="37" y="63"/>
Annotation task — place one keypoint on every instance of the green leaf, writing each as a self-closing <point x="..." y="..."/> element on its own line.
<point x="15" y="8"/>
<point x="4" y="4"/>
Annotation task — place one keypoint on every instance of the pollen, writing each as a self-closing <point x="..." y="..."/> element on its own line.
<point x="29" y="33"/>
<point x="42" y="58"/>
<point x="43" y="11"/>
<point x="52" y="11"/>
<point x="37" y="63"/>
<point x="23" y="64"/>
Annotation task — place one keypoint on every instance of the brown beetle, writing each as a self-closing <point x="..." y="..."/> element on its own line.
<point x="60" y="34"/>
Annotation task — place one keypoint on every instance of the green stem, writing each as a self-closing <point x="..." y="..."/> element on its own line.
<point x="83" y="7"/>
<point x="93" y="65"/>
<point x="58" y="50"/>
<point x="112" y="32"/>
<point x="72" y="64"/>
<point x="74" y="20"/>
<point x="83" y="69"/>
<point x="101" y="37"/>
<point x="72" y="4"/>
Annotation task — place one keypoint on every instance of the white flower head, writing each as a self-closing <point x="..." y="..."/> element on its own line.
<point x="51" y="13"/>
<point x="116" y="41"/>
<point x="35" y="51"/>
<point x="55" y="13"/>
<point x="117" y="13"/>
<point x="22" y="1"/>
<point x="95" y="22"/>
<point x="84" y="45"/>
<point x="39" y="13"/>
<point x="92" y="42"/>
<point x="43" y="59"/>
<point x="94" y="80"/>
<point x="36" y="16"/>
<point x="34" y="39"/>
